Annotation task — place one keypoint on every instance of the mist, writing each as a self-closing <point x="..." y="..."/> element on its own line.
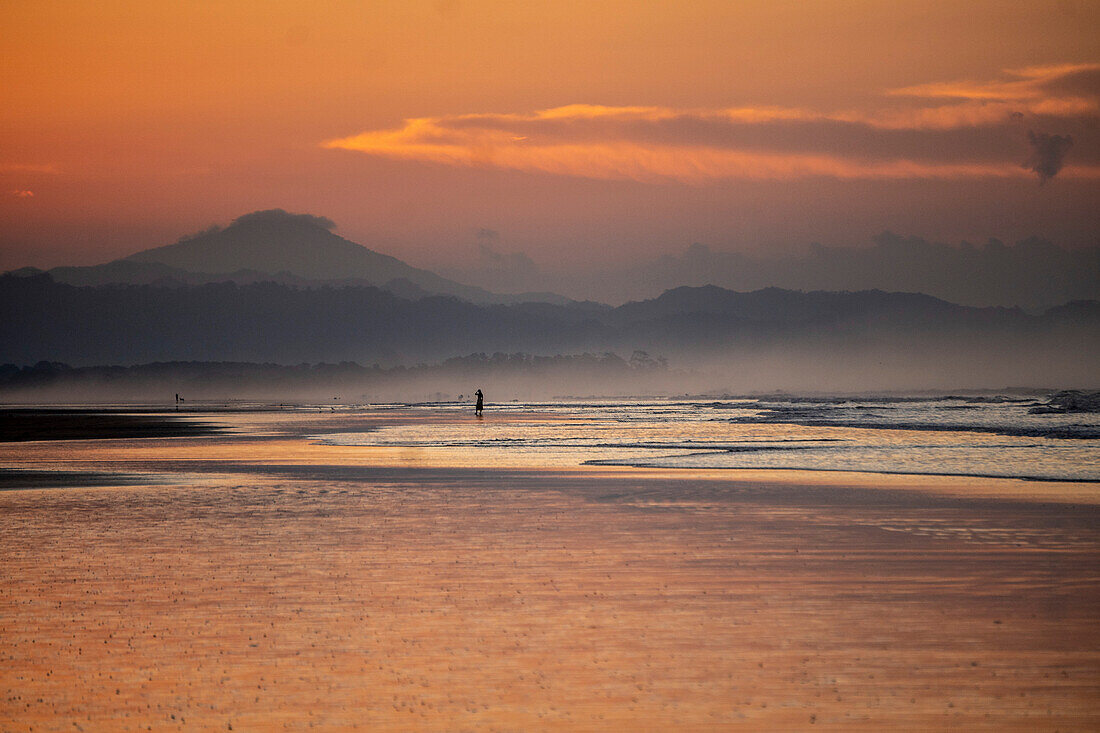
<point x="916" y="366"/>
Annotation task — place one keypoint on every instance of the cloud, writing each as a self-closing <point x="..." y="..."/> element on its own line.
<point x="22" y="193"/>
<point x="1036" y="83"/>
<point x="281" y="218"/>
<point x="514" y="263"/>
<point x="942" y="131"/>
<point x="1062" y="91"/>
<point x="1048" y="153"/>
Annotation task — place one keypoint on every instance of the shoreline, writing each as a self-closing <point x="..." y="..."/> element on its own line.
<point x="268" y="579"/>
<point x="109" y="438"/>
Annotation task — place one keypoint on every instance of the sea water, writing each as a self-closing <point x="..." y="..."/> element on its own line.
<point x="964" y="436"/>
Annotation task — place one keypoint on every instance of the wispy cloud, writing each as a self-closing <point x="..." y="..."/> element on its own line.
<point x="1064" y="91"/>
<point x="982" y="131"/>
<point x="1018" y="85"/>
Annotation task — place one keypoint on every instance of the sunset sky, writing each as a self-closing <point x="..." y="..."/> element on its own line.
<point x="577" y="132"/>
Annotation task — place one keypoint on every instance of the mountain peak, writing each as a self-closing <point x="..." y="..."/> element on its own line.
<point x="275" y="240"/>
<point x="281" y="219"/>
<point x="303" y="245"/>
<point x="277" y="245"/>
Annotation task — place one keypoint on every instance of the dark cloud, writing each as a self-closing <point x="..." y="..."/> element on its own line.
<point x="488" y="234"/>
<point x="1048" y="153"/>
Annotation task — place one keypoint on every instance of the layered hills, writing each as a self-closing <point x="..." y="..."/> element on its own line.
<point x="281" y="288"/>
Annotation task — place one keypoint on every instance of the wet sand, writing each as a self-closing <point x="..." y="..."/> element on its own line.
<point x="263" y="583"/>
<point x="26" y="424"/>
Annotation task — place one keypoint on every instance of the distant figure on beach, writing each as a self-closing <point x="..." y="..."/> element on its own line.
<point x="480" y="403"/>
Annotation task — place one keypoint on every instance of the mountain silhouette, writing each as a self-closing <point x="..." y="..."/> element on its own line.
<point x="272" y="245"/>
<point x="277" y="241"/>
<point x="776" y="305"/>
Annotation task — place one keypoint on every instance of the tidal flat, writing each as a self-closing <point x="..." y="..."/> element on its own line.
<point x="262" y="578"/>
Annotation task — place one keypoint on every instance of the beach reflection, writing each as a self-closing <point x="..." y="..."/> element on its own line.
<point x="265" y="579"/>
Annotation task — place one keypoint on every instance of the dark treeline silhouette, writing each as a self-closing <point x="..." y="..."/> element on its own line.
<point x="219" y="380"/>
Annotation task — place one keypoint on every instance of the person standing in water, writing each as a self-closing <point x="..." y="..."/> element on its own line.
<point x="480" y="403"/>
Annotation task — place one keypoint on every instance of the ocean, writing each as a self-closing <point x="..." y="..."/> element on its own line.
<point x="955" y="436"/>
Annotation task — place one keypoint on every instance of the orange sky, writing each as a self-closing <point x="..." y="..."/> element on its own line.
<point x="578" y="130"/>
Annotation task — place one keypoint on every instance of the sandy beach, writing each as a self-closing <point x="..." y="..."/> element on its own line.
<point x="258" y="580"/>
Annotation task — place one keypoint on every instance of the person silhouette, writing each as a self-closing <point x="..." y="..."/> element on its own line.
<point x="480" y="403"/>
